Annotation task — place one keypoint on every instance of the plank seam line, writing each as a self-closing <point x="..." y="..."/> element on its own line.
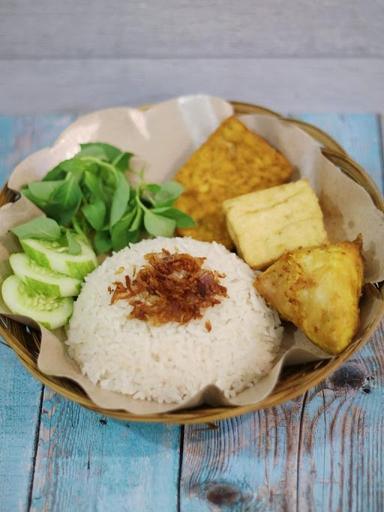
<point x="299" y="447"/>
<point x="111" y="57"/>
<point x="35" y="448"/>
<point x="181" y="454"/>
<point x="379" y="120"/>
<point x="5" y="344"/>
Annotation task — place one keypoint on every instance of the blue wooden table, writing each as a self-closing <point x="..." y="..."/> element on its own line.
<point x="321" y="452"/>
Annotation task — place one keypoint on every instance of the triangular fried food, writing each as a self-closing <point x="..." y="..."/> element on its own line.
<point x="318" y="289"/>
<point x="233" y="161"/>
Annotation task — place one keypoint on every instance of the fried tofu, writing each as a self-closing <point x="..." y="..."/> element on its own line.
<point x="267" y="223"/>
<point x="318" y="289"/>
<point x="231" y="162"/>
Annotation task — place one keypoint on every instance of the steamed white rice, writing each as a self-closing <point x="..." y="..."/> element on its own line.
<point x="172" y="362"/>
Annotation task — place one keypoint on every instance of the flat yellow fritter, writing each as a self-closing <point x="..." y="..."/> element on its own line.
<point x="267" y="223"/>
<point x="233" y="161"/>
<point x="318" y="289"/>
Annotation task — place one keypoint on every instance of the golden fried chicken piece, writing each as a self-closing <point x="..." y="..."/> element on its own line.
<point x="267" y="223"/>
<point x="318" y="289"/>
<point x="231" y="162"/>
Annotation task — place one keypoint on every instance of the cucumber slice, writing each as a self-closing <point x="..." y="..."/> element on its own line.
<point x="48" y="311"/>
<point x="56" y="257"/>
<point x="43" y="280"/>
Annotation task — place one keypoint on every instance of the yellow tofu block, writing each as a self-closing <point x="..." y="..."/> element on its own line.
<point x="265" y="224"/>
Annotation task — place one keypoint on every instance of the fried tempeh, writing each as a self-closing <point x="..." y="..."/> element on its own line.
<point x="318" y="289"/>
<point x="231" y="162"/>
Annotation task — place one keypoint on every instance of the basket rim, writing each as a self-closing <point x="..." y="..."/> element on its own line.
<point x="206" y="414"/>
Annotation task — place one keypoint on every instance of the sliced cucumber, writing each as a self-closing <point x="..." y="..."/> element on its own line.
<point x="48" y="311"/>
<point x="56" y="257"/>
<point x="43" y="280"/>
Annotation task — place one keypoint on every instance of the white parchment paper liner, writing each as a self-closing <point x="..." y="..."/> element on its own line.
<point x="162" y="138"/>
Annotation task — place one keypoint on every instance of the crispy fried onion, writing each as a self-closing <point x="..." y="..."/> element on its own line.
<point x="170" y="288"/>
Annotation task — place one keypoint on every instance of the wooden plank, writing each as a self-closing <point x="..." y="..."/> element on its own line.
<point x="130" y="466"/>
<point x="360" y="133"/>
<point x="248" y="463"/>
<point x="20" y="394"/>
<point x="86" y="462"/>
<point x="312" y="85"/>
<point x="340" y="463"/>
<point x="180" y="28"/>
<point x="323" y="451"/>
<point x="21" y="135"/>
<point x="19" y="416"/>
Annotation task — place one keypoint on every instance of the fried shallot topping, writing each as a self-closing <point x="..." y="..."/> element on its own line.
<point x="171" y="288"/>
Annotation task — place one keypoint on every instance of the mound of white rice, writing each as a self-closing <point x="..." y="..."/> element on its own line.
<point x="171" y="362"/>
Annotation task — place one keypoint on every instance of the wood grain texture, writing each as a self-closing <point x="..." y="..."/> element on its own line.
<point x="20" y="394"/>
<point x="19" y="136"/>
<point x="320" y="452"/>
<point x="314" y="85"/>
<point x="19" y="418"/>
<point x="85" y="462"/>
<point x="180" y="28"/>
<point x="132" y="467"/>
<point x="323" y="451"/>
<point x="340" y="463"/>
<point x="360" y="133"/>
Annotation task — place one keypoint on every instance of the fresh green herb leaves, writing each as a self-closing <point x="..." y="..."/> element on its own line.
<point x="102" y="242"/>
<point x="44" y="228"/>
<point x="95" y="213"/>
<point x="120" y="199"/>
<point x="158" y="225"/>
<point x="182" y="219"/>
<point x="73" y="245"/>
<point x="168" y="193"/>
<point x="91" y="193"/>
<point x="41" y="228"/>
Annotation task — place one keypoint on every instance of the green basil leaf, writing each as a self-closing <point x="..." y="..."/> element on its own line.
<point x="73" y="166"/>
<point x="42" y="190"/>
<point x="80" y="226"/>
<point x="120" y="235"/>
<point x="94" y="186"/>
<point x="120" y="199"/>
<point x="149" y="191"/>
<point x="137" y="221"/>
<point x="168" y="193"/>
<point x="65" y="201"/>
<point x="57" y="173"/>
<point x="182" y="219"/>
<point x="153" y="188"/>
<point x="122" y="161"/>
<point x="73" y="245"/>
<point x="99" y="150"/>
<point x="157" y="225"/>
<point x="102" y="242"/>
<point x="76" y="167"/>
<point x="28" y="194"/>
<point x="133" y="236"/>
<point x="41" y="228"/>
<point x="95" y="214"/>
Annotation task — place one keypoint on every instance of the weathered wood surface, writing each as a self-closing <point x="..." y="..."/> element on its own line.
<point x="323" y="451"/>
<point x="320" y="452"/>
<point x="302" y="55"/>
<point x="85" y="462"/>
<point x="181" y="28"/>
<point x="297" y="84"/>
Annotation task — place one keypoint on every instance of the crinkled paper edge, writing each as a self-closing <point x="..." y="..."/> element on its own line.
<point x="164" y="136"/>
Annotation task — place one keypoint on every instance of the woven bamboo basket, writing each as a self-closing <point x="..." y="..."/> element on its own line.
<point x="293" y="382"/>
